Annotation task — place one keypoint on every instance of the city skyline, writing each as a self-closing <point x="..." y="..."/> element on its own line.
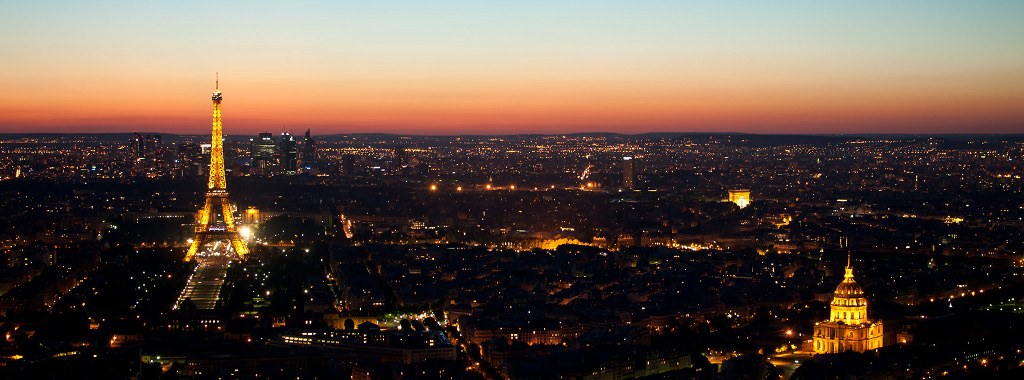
<point x="552" y="67"/>
<point x="490" y="257"/>
<point x="532" y="190"/>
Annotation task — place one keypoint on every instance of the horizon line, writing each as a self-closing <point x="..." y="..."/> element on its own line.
<point x="550" y="134"/>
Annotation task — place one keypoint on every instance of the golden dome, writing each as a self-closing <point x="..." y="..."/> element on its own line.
<point x="849" y="290"/>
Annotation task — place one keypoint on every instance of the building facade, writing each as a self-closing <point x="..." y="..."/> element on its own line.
<point x="262" y="150"/>
<point x="288" y="153"/>
<point x="848" y="327"/>
<point x="628" y="173"/>
<point x="741" y="197"/>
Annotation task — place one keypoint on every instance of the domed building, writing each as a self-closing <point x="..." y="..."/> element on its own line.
<point x="848" y="328"/>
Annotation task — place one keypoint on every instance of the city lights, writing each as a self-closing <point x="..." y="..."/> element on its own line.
<point x="617" y="190"/>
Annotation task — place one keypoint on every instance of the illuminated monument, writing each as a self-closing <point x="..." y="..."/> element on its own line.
<point x="848" y="328"/>
<point x="740" y="197"/>
<point x="208" y="230"/>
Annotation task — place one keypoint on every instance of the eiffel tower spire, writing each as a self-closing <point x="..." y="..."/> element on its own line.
<point x="217" y="195"/>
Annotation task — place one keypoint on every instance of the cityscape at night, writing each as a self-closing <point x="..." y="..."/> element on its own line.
<point x="525" y="256"/>
<point x="495" y="191"/>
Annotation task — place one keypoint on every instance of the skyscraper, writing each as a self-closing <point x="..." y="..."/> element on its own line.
<point x="309" y="154"/>
<point x="628" y="173"/>
<point x="189" y="161"/>
<point x="288" y="154"/>
<point x="149" y="154"/>
<point x="148" y="147"/>
<point x="262" y="150"/>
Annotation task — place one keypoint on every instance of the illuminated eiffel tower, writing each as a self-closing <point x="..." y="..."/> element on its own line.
<point x="207" y="230"/>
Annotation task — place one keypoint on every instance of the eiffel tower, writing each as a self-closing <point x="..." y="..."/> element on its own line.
<point x="207" y="230"/>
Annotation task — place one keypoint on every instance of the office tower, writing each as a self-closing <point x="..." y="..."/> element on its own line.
<point x="628" y="173"/>
<point x="148" y="153"/>
<point x="309" y="153"/>
<point x="288" y="154"/>
<point x="189" y="160"/>
<point x="262" y="150"/>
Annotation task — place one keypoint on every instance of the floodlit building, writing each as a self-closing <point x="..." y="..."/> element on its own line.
<point x="848" y="327"/>
<point x="251" y="217"/>
<point x="741" y="197"/>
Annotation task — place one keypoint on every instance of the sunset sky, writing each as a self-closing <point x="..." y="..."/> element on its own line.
<point x="496" y="67"/>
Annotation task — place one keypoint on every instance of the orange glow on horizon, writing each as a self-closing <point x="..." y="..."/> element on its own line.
<point x="514" y="67"/>
<point x="528" y="105"/>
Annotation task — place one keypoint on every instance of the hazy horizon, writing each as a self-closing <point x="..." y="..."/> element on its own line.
<point x="680" y="134"/>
